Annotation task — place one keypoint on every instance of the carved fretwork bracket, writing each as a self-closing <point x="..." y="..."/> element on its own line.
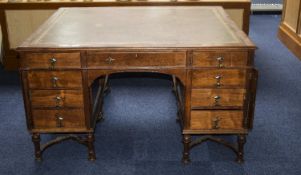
<point x="238" y="148"/>
<point x="60" y="139"/>
<point x="86" y="141"/>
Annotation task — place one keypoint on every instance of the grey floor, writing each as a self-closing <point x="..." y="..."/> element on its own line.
<point x="140" y="135"/>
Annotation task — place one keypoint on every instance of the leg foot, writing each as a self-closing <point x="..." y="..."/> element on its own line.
<point x="91" y="151"/>
<point x="186" y="144"/>
<point x="37" y="147"/>
<point x="241" y="140"/>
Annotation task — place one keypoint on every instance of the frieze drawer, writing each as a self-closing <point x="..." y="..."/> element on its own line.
<point x="54" y="79"/>
<point x="206" y="98"/>
<point x="56" y="98"/>
<point x="51" y="60"/>
<point x="216" y="120"/>
<point x="136" y="59"/>
<point x="220" y="59"/>
<point x="219" y="78"/>
<point x="56" y="119"/>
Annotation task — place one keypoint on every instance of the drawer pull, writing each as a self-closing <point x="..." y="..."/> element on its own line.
<point x="218" y="80"/>
<point x="52" y="63"/>
<point x="54" y="81"/>
<point x="110" y="60"/>
<point x="58" y="100"/>
<point x="216" y="100"/>
<point x="59" y="121"/>
<point x="215" y="123"/>
<point x="220" y="62"/>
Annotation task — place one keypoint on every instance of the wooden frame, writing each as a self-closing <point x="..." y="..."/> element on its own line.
<point x="10" y="60"/>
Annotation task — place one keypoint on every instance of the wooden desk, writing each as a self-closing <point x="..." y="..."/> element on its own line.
<point x="209" y="58"/>
<point x="19" y="18"/>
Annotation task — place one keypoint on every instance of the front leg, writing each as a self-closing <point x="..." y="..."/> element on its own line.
<point x="186" y="145"/>
<point x="91" y="150"/>
<point x="37" y="147"/>
<point x="241" y="140"/>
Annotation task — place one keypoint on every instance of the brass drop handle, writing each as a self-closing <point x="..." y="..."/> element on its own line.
<point x="216" y="123"/>
<point x="220" y="62"/>
<point x="54" y="81"/>
<point x="52" y="62"/>
<point x="218" y="80"/>
<point x="59" y="120"/>
<point x="110" y="60"/>
<point x="58" y="100"/>
<point x="216" y="100"/>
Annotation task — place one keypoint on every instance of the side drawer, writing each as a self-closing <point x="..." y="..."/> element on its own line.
<point x="219" y="78"/>
<point x="51" y="60"/>
<point x="208" y="120"/>
<point x="54" y="79"/>
<point x="220" y="59"/>
<point x="56" y="98"/>
<point x="51" y="119"/>
<point x="136" y="59"/>
<point x="217" y="98"/>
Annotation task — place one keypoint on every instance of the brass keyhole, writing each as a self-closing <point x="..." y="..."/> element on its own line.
<point x="54" y="81"/>
<point x="216" y="123"/>
<point x="218" y="80"/>
<point x="217" y="100"/>
<point x="58" y="100"/>
<point x="52" y="63"/>
<point x="59" y="120"/>
<point x="220" y="62"/>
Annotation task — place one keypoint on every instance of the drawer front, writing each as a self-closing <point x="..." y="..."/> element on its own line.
<point x="219" y="59"/>
<point x="208" y="120"/>
<point x="51" y="60"/>
<point x="54" y="79"/>
<point x="56" y="98"/>
<point x="217" y="97"/>
<point x="43" y="119"/>
<point x="219" y="78"/>
<point x="139" y="59"/>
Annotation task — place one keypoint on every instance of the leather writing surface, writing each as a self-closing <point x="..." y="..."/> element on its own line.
<point x="138" y="27"/>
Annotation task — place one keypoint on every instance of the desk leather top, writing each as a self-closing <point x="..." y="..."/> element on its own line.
<point x="138" y="27"/>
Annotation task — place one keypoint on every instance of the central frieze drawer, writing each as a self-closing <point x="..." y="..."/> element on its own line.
<point x="54" y="79"/>
<point x="206" y="119"/>
<point x="220" y="59"/>
<point x="136" y="59"/>
<point x="56" y="98"/>
<point x="219" y="78"/>
<point x="58" y="118"/>
<point x="51" y="60"/>
<point x="217" y="98"/>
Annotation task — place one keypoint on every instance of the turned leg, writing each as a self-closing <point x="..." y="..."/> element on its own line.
<point x="241" y="140"/>
<point x="36" y="141"/>
<point x="91" y="151"/>
<point x="186" y="144"/>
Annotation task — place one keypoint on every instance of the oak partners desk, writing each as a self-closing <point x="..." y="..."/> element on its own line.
<point x="208" y="56"/>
